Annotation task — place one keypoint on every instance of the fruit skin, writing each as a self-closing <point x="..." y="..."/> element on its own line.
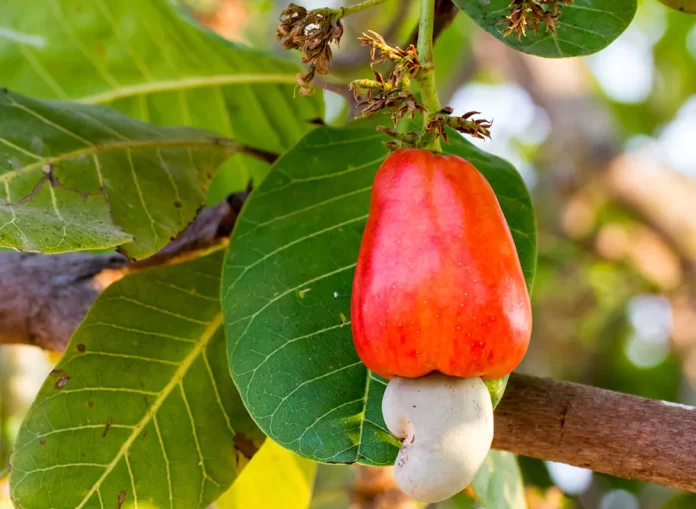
<point x="438" y="285"/>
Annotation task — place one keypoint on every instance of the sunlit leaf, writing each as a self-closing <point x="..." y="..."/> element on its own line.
<point x="286" y="293"/>
<point x="142" y="58"/>
<point x="76" y="177"/>
<point x="141" y="411"/>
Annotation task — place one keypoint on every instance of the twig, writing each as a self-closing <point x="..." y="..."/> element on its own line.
<point x="45" y="297"/>
<point x="426" y="75"/>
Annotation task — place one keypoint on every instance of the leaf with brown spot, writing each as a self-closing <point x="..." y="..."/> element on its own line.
<point x="152" y="395"/>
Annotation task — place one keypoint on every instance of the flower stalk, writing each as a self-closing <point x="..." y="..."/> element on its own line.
<point x="426" y="75"/>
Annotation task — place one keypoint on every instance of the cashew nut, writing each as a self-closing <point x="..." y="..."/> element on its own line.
<point x="447" y="427"/>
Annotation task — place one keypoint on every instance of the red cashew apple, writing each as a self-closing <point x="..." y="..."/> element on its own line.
<point x="438" y="285"/>
<point x="439" y="303"/>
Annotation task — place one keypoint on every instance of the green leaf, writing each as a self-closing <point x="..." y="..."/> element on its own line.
<point x="275" y="477"/>
<point x="496" y="388"/>
<point x="75" y="177"/>
<point x="141" y="409"/>
<point x="584" y="27"/>
<point x="286" y="294"/>
<point x="498" y="485"/>
<point x="142" y="58"/>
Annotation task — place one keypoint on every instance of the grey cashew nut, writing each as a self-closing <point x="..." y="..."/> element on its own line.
<point x="446" y="425"/>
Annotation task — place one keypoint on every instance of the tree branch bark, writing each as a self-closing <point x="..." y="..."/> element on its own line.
<point x="605" y="431"/>
<point x="46" y="297"/>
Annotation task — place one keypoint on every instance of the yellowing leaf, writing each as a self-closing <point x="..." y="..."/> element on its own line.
<point x="275" y="477"/>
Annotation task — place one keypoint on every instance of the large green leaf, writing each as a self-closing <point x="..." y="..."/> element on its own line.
<point x="141" y="410"/>
<point x="585" y="26"/>
<point x="75" y="176"/>
<point x="142" y="58"/>
<point x="286" y="293"/>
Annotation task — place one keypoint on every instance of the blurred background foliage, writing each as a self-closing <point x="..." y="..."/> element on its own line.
<point x="607" y="145"/>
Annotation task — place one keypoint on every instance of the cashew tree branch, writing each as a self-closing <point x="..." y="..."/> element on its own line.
<point x="605" y="431"/>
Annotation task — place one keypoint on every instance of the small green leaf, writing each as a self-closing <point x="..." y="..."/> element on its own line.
<point x="274" y="478"/>
<point x="141" y="409"/>
<point x="76" y="177"/>
<point x="498" y="485"/>
<point x="584" y="27"/>
<point x="497" y="388"/>
<point x="286" y="291"/>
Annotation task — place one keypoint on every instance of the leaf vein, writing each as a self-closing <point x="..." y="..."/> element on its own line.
<point x="205" y="337"/>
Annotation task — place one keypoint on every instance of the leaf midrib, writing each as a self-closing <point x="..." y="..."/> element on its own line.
<point x="205" y="338"/>
<point x="153" y="87"/>
<point x="94" y="149"/>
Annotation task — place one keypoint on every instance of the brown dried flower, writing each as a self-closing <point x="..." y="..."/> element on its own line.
<point x="312" y="32"/>
<point x="392" y="94"/>
<point x="530" y="14"/>
<point x="406" y="59"/>
<point x="477" y="128"/>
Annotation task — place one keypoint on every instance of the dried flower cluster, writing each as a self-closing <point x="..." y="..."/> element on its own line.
<point x="530" y="14"/>
<point x="312" y="32"/>
<point x="392" y="94"/>
<point x="476" y="128"/>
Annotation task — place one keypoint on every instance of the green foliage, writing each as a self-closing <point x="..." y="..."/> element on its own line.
<point x="87" y="177"/>
<point x="584" y="27"/>
<point x="286" y="297"/>
<point x="141" y="408"/>
<point x="291" y="261"/>
<point x="142" y="58"/>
